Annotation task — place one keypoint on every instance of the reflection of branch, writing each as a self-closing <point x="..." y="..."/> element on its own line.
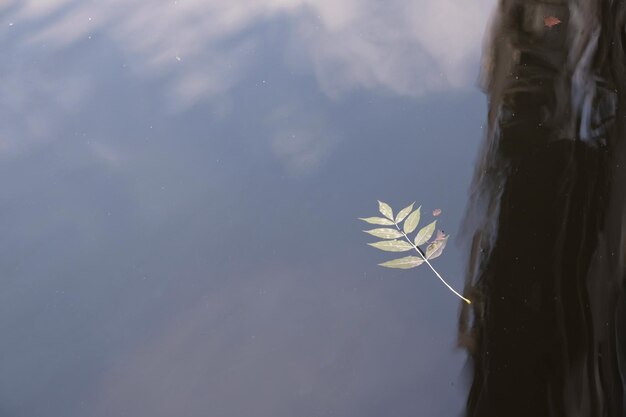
<point x="430" y="265"/>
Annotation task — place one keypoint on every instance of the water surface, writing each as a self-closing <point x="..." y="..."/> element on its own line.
<point x="181" y="182"/>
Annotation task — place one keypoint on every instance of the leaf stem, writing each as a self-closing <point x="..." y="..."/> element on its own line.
<point x="430" y="265"/>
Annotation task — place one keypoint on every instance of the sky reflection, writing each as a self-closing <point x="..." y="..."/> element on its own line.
<point x="180" y="187"/>
<point x="204" y="47"/>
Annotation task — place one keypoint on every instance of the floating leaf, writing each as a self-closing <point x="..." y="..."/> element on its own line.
<point x="425" y="233"/>
<point x="412" y="221"/>
<point x="392" y="245"/>
<point x="384" y="233"/>
<point x="403" y="213"/>
<point x="385" y="210"/>
<point x="407" y="262"/>
<point x="550" y="21"/>
<point x="377" y="220"/>
<point x="435" y="249"/>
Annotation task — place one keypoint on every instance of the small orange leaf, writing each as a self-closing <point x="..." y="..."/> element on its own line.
<point x="550" y="21"/>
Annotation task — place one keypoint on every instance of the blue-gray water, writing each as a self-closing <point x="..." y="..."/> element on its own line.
<point x="180" y="186"/>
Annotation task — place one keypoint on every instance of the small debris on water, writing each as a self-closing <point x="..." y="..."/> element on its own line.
<point x="551" y="21"/>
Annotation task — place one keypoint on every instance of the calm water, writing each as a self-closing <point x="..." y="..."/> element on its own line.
<point x="180" y="186"/>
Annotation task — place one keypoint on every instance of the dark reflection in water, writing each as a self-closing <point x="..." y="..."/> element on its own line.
<point x="546" y="332"/>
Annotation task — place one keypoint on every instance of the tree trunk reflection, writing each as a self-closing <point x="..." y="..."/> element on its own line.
<point x="546" y="332"/>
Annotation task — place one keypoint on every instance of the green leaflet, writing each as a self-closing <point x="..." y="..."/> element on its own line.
<point x="377" y="220"/>
<point x="435" y="249"/>
<point x="407" y="262"/>
<point x="392" y="245"/>
<point x="384" y="233"/>
<point x="425" y="233"/>
<point x="385" y="210"/>
<point x="412" y="221"/>
<point x="403" y="213"/>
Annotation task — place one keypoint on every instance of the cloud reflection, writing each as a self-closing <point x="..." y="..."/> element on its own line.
<point x="301" y="140"/>
<point x="407" y="48"/>
<point x="267" y="347"/>
<point x="33" y="104"/>
<point x="198" y="51"/>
